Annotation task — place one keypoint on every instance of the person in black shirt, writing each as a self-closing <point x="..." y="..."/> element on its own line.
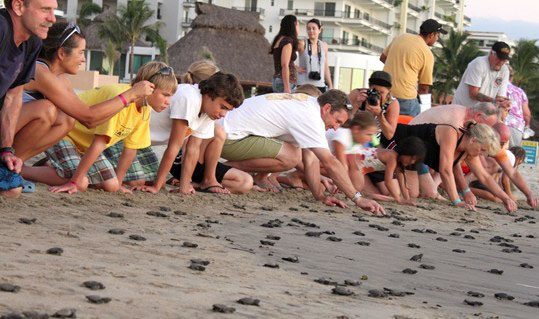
<point x="22" y="26"/>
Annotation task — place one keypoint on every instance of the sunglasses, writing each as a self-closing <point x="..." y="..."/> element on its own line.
<point x="166" y="71"/>
<point x="74" y="29"/>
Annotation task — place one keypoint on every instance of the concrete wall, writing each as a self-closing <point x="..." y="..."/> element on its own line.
<point x="85" y="80"/>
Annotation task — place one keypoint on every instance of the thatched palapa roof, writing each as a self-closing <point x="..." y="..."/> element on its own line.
<point x="235" y="39"/>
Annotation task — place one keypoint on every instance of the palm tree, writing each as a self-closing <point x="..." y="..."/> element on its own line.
<point x="134" y="18"/>
<point x="87" y="9"/>
<point x="113" y="31"/>
<point x="525" y="64"/>
<point x="451" y="62"/>
<point x="160" y="43"/>
<point x="112" y="54"/>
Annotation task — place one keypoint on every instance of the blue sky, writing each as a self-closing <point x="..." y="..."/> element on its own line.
<point x="517" y="18"/>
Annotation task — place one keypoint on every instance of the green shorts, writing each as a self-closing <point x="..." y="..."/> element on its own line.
<point x="251" y="147"/>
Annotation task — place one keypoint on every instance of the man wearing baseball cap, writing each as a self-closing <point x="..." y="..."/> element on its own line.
<point x="410" y="62"/>
<point x="486" y="78"/>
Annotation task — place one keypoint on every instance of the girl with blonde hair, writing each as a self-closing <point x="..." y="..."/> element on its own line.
<point x="199" y="71"/>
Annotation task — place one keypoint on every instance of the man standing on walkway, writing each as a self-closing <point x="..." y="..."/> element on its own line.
<point x="410" y="62"/>
<point x="486" y="79"/>
<point x="22" y="24"/>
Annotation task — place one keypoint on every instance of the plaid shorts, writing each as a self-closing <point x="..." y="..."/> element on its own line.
<point x="143" y="167"/>
<point x="65" y="158"/>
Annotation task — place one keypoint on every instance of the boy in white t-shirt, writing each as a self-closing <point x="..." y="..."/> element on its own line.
<point x="191" y="115"/>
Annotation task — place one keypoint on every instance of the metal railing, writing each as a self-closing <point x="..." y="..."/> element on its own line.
<point x="336" y="14"/>
<point x="352" y="43"/>
<point x="261" y="11"/>
<point x="414" y="7"/>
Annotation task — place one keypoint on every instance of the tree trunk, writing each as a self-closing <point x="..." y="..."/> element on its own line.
<point x="131" y="58"/>
<point x="111" y="67"/>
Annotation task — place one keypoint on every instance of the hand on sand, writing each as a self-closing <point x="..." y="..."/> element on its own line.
<point x="510" y="205"/>
<point x="125" y="190"/>
<point x="329" y="185"/>
<point x="332" y="201"/>
<point x="69" y="187"/>
<point x="533" y="201"/>
<point x="371" y="206"/>
<point x="147" y="189"/>
<point x="12" y="162"/>
<point x="184" y="190"/>
<point x="470" y="199"/>
<point x="143" y="88"/>
<point x="467" y="206"/>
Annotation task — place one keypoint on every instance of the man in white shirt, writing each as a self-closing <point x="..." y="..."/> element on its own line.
<point x="191" y="116"/>
<point x="277" y="132"/>
<point x="486" y="79"/>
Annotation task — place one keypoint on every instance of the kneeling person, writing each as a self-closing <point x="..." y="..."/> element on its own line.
<point x="193" y="110"/>
<point x="89" y="157"/>
<point x="277" y="132"/>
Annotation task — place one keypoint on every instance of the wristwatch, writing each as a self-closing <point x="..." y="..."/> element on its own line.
<point x="7" y="150"/>
<point x="356" y="196"/>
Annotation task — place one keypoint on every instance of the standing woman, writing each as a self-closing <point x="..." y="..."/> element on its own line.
<point x="313" y="59"/>
<point x="283" y="49"/>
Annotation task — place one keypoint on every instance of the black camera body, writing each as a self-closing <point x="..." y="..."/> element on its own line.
<point x="313" y="75"/>
<point x="372" y="97"/>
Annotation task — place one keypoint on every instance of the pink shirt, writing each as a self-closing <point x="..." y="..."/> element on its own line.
<point x="515" y="118"/>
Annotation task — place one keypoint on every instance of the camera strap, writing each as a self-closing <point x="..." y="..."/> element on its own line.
<point x="310" y="52"/>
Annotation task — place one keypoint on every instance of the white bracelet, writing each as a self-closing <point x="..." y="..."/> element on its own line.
<point x="356" y="196"/>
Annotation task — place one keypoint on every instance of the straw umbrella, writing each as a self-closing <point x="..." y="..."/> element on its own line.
<point x="234" y="38"/>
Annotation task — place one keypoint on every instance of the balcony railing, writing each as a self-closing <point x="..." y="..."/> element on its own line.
<point x="414" y="7"/>
<point x="468" y="19"/>
<point x="261" y="11"/>
<point x="411" y="31"/>
<point x="336" y="14"/>
<point x="352" y="43"/>
<point x="186" y="23"/>
<point x="190" y="3"/>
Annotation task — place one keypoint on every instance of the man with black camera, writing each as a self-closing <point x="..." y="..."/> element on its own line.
<point x="409" y="60"/>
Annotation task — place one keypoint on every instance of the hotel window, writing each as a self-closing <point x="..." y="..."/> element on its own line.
<point x="290" y="5"/>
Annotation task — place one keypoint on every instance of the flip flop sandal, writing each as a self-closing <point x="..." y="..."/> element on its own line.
<point x="208" y="189"/>
<point x="28" y="187"/>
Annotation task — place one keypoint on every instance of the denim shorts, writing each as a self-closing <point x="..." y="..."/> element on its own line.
<point x="278" y="86"/>
<point x="409" y="107"/>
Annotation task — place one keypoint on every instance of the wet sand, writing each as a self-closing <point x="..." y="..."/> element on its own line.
<point x="151" y="278"/>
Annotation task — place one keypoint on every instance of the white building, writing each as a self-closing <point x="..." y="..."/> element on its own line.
<point x="356" y="30"/>
<point x="485" y="40"/>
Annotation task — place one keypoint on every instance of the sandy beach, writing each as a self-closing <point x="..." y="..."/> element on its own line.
<point x="151" y="278"/>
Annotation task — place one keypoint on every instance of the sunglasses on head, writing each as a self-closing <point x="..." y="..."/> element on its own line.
<point x="74" y="29"/>
<point x="166" y="71"/>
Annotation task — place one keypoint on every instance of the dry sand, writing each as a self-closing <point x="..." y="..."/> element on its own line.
<point x="151" y="279"/>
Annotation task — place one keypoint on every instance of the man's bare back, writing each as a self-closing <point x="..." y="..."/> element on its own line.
<point x="454" y="115"/>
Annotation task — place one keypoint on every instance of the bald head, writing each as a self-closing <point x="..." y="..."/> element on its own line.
<point x="503" y="131"/>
